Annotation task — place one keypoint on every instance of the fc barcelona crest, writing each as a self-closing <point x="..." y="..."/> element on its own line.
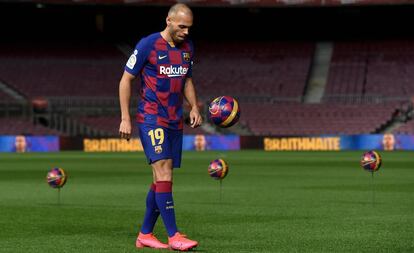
<point x="186" y="56"/>
<point x="158" y="149"/>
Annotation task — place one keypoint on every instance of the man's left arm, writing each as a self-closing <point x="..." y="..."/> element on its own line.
<point x="190" y="95"/>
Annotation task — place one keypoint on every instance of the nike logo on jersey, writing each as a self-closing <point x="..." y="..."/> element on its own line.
<point x="161" y="57"/>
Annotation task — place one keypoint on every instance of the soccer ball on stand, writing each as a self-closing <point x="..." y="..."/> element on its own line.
<point x="224" y="111"/>
<point x="56" y="178"/>
<point x="218" y="169"/>
<point x="371" y="161"/>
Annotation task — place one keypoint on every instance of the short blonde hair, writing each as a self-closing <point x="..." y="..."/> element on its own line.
<point x="179" y="7"/>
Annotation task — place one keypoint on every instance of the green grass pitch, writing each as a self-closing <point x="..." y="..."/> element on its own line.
<point x="270" y="202"/>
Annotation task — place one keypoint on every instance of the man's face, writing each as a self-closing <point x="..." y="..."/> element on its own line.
<point x="20" y="143"/>
<point x="179" y="26"/>
<point x="200" y="142"/>
<point x="388" y="141"/>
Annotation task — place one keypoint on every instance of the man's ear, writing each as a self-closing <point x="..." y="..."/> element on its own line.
<point x="168" y="21"/>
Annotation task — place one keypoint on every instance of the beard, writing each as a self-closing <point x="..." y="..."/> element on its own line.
<point x="175" y="37"/>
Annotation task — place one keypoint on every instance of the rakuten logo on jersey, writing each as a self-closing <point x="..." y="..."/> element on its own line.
<point x="172" y="71"/>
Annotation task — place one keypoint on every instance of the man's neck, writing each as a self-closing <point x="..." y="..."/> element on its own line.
<point x="167" y="37"/>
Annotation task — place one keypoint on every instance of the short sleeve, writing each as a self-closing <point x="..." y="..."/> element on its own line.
<point x="138" y="58"/>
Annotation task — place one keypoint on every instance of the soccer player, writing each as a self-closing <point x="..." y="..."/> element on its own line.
<point x="163" y="60"/>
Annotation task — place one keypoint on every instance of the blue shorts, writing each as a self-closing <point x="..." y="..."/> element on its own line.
<point x="161" y="143"/>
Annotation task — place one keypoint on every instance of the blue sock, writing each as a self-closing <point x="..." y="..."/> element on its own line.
<point x="151" y="213"/>
<point x="164" y="199"/>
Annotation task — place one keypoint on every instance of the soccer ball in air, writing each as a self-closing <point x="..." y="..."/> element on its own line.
<point x="56" y="178"/>
<point x="218" y="169"/>
<point x="371" y="161"/>
<point x="224" y="111"/>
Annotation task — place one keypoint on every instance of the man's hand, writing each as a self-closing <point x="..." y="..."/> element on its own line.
<point x="125" y="129"/>
<point x="195" y="118"/>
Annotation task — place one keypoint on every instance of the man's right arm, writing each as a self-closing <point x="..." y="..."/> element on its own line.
<point x="133" y="67"/>
<point x="124" y="98"/>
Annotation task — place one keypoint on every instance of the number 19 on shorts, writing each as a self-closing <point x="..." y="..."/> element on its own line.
<point x="157" y="136"/>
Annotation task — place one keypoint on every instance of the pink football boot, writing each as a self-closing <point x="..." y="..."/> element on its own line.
<point x="149" y="240"/>
<point x="181" y="243"/>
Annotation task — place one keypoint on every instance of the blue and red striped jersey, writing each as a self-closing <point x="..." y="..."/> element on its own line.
<point x="163" y="70"/>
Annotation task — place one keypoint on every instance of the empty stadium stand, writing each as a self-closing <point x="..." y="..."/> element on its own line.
<point x="261" y="69"/>
<point x="47" y="69"/>
<point x="406" y="128"/>
<point x="371" y="68"/>
<point x="243" y="69"/>
<point x="316" y="119"/>
<point x="12" y="126"/>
